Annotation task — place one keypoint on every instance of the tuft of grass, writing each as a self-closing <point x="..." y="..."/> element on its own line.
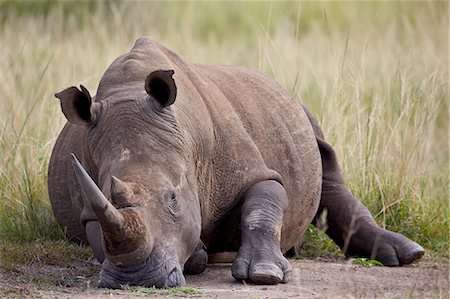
<point x="367" y="262"/>
<point x="175" y="292"/>
<point x="41" y="252"/>
<point x="374" y="74"/>
<point x="16" y="292"/>
<point x="46" y="265"/>
<point x="317" y="244"/>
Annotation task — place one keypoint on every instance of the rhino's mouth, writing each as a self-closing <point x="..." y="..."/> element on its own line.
<point x="155" y="271"/>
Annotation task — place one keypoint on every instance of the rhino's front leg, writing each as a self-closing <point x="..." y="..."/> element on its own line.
<point x="196" y="263"/>
<point x="94" y="237"/>
<point x="259" y="258"/>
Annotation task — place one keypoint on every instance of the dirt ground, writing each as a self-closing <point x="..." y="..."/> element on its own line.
<point x="312" y="279"/>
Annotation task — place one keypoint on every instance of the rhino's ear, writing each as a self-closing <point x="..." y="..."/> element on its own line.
<point x="76" y="105"/>
<point x="160" y="85"/>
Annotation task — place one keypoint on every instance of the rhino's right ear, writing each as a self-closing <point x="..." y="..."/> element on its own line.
<point x="76" y="105"/>
<point x="161" y="87"/>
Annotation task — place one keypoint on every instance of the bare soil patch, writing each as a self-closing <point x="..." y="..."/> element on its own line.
<point x="312" y="279"/>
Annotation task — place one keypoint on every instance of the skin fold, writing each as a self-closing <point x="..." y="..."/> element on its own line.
<point x="174" y="161"/>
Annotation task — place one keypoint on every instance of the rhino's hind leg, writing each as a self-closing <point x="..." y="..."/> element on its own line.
<point x="259" y="258"/>
<point x="352" y="226"/>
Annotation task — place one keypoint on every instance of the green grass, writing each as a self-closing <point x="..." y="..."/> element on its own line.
<point x="45" y="265"/>
<point x="367" y="262"/>
<point x="40" y="252"/>
<point x="174" y="292"/>
<point x="318" y="245"/>
<point x="374" y="74"/>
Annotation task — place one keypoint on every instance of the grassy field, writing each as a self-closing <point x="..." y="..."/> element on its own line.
<point x="374" y="74"/>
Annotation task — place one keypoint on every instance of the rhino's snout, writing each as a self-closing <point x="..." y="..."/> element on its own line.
<point x="174" y="279"/>
<point x="148" y="274"/>
<point x="124" y="231"/>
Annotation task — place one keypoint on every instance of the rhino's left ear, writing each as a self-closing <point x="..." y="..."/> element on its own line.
<point x="160" y="85"/>
<point x="77" y="105"/>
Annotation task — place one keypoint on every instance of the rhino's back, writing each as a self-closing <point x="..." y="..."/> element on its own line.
<point x="258" y="109"/>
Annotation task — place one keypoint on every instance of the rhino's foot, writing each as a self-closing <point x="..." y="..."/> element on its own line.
<point x="196" y="264"/>
<point x="261" y="266"/>
<point x="391" y="249"/>
<point x="259" y="258"/>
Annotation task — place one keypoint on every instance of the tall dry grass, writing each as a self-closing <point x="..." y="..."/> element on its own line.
<point x="374" y="74"/>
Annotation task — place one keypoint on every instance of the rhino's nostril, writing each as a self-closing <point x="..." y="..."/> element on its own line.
<point x="172" y="278"/>
<point x="175" y="279"/>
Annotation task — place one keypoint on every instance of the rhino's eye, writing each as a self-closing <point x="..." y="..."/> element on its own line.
<point x="173" y="205"/>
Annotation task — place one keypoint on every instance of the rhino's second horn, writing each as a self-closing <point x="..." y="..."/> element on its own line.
<point x="109" y="217"/>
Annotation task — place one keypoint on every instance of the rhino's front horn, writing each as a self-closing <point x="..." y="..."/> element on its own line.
<point x="124" y="234"/>
<point x="108" y="216"/>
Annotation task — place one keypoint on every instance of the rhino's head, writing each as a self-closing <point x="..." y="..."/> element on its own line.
<point x="145" y="198"/>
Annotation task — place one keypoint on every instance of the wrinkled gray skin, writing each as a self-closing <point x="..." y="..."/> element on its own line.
<point x="196" y="159"/>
